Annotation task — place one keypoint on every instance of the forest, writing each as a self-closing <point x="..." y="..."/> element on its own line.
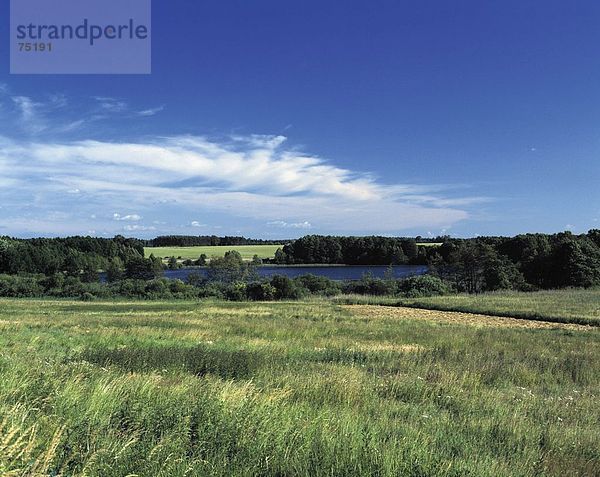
<point x="527" y="261"/>
<point x="71" y="267"/>
<point x="206" y="240"/>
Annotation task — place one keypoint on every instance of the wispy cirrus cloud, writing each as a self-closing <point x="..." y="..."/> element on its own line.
<point x="119" y="106"/>
<point x="31" y="114"/>
<point x="150" y="112"/>
<point x="139" y="228"/>
<point x="112" y="105"/>
<point x="246" y="178"/>
<point x="255" y="180"/>
<point x="54" y="114"/>
<point x="129" y="217"/>
<point x="286" y="225"/>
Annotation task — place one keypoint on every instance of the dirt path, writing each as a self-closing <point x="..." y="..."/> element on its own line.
<point x="454" y="317"/>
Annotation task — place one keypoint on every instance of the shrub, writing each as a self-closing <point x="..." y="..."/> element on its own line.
<point x="236" y="291"/>
<point x="318" y="285"/>
<point x="371" y="286"/>
<point x="424" y="285"/>
<point x="20" y="286"/>
<point x="158" y="288"/>
<point x="286" y="289"/>
<point x="260" y="291"/>
<point x="87" y="296"/>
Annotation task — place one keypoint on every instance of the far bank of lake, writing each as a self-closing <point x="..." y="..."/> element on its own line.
<point x="333" y="272"/>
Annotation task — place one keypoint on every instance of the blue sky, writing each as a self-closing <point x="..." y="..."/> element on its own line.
<point x="277" y="119"/>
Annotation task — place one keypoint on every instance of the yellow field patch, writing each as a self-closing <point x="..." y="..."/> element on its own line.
<point x="398" y="348"/>
<point x="453" y="317"/>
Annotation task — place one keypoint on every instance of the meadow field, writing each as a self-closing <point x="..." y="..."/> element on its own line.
<point x="567" y="305"/>
<point x="579" y="306"/>
<point x="292" y="389"/>
<point x="192" y="253"/>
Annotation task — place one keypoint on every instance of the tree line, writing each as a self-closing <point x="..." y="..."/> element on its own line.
<point x="71" y="255"/>
<point x="228" y="277"/>
<point x="206" y="240"/>
<point x="329" y="249"/>
<point x="524" y="262"/>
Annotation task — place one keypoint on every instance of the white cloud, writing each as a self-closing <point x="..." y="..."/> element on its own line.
<point x="150" y="112"/>
<point x="286" y="225"/>
<point x="138" y="228"/>
<point x="30" y="114"/>
<point x="195" y="223"/>
<point x="59" y="100"/>
<point x="112" y="105"/>
<point x="252" y="177"/>
<point x="131" y="217"/>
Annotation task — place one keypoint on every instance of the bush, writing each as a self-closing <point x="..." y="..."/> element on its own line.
<point x="158" y="288"/>
<point x="318" y="285"/>
<point x="260" y="291"/>
<point x="236" y="291"/>
<point x="87" y="296"/>
<point x="424" y="285"/>
<point x="20" y="286"/>
<point x="371" y="286"/>
<point x="286" y="289"/>
<point x="130" y="288"/>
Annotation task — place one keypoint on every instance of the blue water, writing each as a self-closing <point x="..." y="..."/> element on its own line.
<point x="349" y="272"/>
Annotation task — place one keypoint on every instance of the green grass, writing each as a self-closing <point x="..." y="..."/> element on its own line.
<point x="566" y="306"/>
<point x="192" y="253"/>
<point x="289" y="389"/>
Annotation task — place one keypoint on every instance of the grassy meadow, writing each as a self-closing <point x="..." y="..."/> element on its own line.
<point x="192" y="253"/>
<point x="291" y="389"/>
<point x="579" y="306"/>
<point x="568" y="305"/>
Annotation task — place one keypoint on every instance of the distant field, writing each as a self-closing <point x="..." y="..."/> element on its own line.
<point x="429" y="244"/>
<point x="568" y="306"/>
<point x="246" y="251"/>
<point x="155" y="388"/>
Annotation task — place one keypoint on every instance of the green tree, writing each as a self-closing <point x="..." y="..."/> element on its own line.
<point x="280" y="256"/>
<point x="173" y="264"/>
<point x="115" y="270"/>
<point x="230" y="268"/>
<point x="143" y="268"/>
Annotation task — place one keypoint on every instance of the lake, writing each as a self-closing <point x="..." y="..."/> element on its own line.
<point x="346" y="272"/>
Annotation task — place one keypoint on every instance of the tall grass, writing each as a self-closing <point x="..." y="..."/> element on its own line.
<point x="294" y="389"/>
